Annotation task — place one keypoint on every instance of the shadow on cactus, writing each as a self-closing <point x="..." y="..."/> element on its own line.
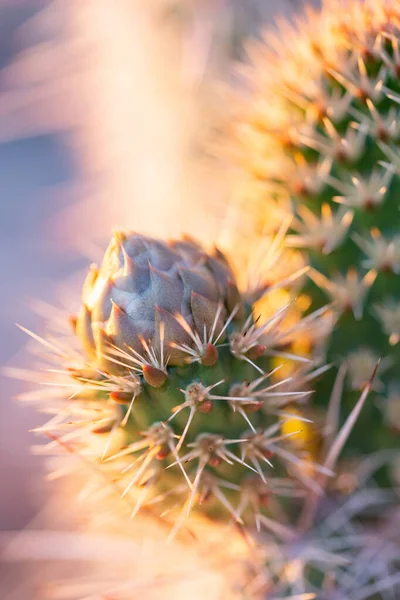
<point x="319" y="135"/>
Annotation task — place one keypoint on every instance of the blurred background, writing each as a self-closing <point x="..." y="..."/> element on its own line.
<point x="103" y="107"/>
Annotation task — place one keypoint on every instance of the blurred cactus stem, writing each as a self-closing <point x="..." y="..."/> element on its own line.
<point x="318" y="136"/>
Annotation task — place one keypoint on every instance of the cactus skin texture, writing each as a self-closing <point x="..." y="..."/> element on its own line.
<point x="319" y="135"/>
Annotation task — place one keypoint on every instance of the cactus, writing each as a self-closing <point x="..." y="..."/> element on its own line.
<point x="170" y="365"/>
<point x="169" y="391"/>
<point x="318" y="134"/>
<point x="172" y="403"/>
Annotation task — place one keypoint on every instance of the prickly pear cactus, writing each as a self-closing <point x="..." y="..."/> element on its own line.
<point x="319" y="135"/>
